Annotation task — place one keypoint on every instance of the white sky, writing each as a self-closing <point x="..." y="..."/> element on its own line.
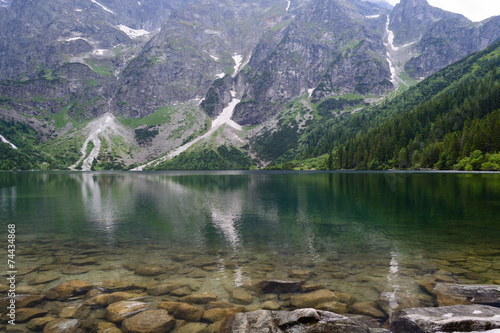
<point x="475" y="10"/>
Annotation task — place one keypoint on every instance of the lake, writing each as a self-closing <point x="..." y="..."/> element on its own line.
<point x="359" y="233"/>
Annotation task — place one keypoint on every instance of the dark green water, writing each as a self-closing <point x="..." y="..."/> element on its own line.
<point x="374" y="228"/>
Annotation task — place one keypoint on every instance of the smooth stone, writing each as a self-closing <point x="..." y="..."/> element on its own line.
<point x="183" y="291"/>
<point x="201" y="298"/>
<point x="218" y="304"/>
<point x="164" y="288"/>
<point x="105" y="327"/>
<point x="455" y="294"/>
<point x="115" y="285"/>
<point x="455" y="318"/>
<point x="37" y="324"/>
<point x="270" y="305"/>
<point x="335" y="307"/>
<point x="27" y="290"/>
<point x="28" y="301"/>
<point x="78" y="311"/>
<point x="150" y="321"/>
<point x="312" y="299"/>
<point x="85" y="261"/>
<point x="169" y="306"/>
<point x="311" y="287"/>
<point x="75" y="270"/>
<point x="106" y="299"/>
<point x="45" y="278"/>
<point x="339" y="275"/>
<point x="370" y="309"/>
<point x="67" y="290"/>
<point x="63" y="325"/>
<point x="191" y="328"/>
<point x="241" y="296"/>
<point x="217" y="314"/>
<point x="214" y="328"/>
<point x="4" y="288"/>
<point x="188" y="312"/>
<point x="118" y="311"/>
<point x="279" y="286"/>
<point x="25" y="314"/>
<point x="149" y="270"/>
<point x="302" y="274"/>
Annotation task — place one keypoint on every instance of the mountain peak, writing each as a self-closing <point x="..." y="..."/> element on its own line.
<point x="410" y="19"/>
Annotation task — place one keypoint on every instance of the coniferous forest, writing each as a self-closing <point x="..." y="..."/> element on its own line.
<point x="449" y="121"/>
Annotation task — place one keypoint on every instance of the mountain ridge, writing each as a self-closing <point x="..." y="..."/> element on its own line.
<point x="168" y="75"/>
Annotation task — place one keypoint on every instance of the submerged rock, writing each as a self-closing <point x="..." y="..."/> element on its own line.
<point x="63" y="325"/>
<point x="314" y="298"/>
<point x="370" y="309"/>
<point x="45" y="278"/>
<point x="119" y="311"/>
<point x="456" y="318"/>
<point x="149" y="270"/>
<point x="150" y="321"/>
<point x="67" y="290"/>
<point x="454" y="294"/>
<point x="201" y="298"/>
<point x="241" y="296"/>
<point x="280" y="286"/>
<point x="26" y="314"/>
<point x="37" y="324"/>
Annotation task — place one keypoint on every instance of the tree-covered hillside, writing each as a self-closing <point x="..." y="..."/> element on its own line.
<point x="451" y="120"/>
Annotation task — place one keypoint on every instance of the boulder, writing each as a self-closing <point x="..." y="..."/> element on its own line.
<point x="150" y="321"/>
<point x="280" y="286"/>
<point x="298" y="321"/>
<point x="455" y="318"/>
<point x="454" y="294"/>
<point x="67" y="290"/>
<point x="119" y="311"/>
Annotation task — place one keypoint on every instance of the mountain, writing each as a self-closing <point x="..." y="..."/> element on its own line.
<point x="125" y="82"/>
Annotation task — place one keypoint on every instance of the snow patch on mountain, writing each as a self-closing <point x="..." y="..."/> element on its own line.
<point x="102" y="127"/>
<point x="132" y="33"/>
<point x="103" y="7"/>
<point x="4" y="140"/>
<point x="237" y="59"/>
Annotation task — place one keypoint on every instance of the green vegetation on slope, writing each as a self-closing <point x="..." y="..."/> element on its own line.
<point x="222" y="158"/>
<point x="435" y="124"/>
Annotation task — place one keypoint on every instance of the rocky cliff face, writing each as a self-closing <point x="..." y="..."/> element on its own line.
<point x="439" y="38"/>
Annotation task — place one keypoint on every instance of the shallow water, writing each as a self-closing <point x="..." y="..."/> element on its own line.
<point x="360" y="233"/>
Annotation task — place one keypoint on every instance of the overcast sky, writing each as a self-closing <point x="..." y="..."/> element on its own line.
<point x="475" y="10"/>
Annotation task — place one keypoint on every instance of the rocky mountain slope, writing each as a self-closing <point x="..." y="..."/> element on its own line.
<point x="164" y="70"/>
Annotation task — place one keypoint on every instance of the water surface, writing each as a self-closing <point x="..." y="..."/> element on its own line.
<point x="361" y="233"/>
